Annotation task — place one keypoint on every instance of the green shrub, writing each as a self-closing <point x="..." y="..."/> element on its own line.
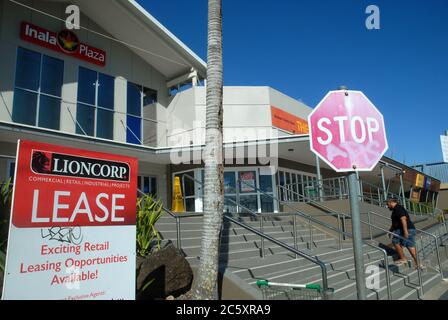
<point x="149" y="211"/>
<point x="5" y="210"/>
<point x="5" y="200"/>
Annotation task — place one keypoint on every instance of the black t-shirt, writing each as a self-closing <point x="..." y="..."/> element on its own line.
<point x="397" y="213"/>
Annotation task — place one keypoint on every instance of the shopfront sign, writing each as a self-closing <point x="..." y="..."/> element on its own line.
<point x="72" y="229"/>
<point x="420" y="181"/>
<point x="288" y="122"/>
<point x="248" y="183"/>
<point x="66" y="42"/>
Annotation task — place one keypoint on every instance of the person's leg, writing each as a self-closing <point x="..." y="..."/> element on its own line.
<point x="398" y="246"/>
<point x="400" y="252"/>
<point x="413" y="252"/>
<point x="411" y="245"/>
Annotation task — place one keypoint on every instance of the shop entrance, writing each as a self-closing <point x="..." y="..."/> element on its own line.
<point x="245" y="189"/>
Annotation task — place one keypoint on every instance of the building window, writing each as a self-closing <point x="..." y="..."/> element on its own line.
<point x="296" y="186"/>
<point x="147" y="185"/>
<point x="138" y="98"/>
<point x="95" y="108"/>
<point x="38" y="89"/>
<point x="10" y="170"/>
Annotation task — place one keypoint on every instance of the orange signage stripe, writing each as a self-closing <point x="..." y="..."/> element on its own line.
<point x="289" y="122"/>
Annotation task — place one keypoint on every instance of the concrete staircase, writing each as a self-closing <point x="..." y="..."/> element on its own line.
<point x="242" y="266"/>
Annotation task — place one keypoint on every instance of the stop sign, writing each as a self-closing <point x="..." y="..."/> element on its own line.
<point x="347" y="131"/>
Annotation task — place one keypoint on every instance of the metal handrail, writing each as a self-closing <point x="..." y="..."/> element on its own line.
<point x="421" y="231"/>
<point x="237" y="204"/>
<point x="314" y="260"/>
<point x="310" y="218"/>
<point x="177" y="218"/>
<point x="345" y="216"/>
<point x="340" y="232"/>
<point x="416" y="254"/>
<point x="264" y="236"/>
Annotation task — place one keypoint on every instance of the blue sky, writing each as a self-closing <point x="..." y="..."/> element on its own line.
<point x="307" y="48"/>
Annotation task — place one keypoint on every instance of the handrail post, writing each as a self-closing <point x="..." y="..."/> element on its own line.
<point x="386" y="267"/>
<point x="438" y="256"/>
<point x="262" y="239"/>
<point x="178" y="231"/>
<point x="422" y="246"/>
<point x="295" y="233"/>
<point x="370" y="225"/>
<point x="340" y="233"/>
<point x="419" y="272"/>
<point x="310" y="240"/>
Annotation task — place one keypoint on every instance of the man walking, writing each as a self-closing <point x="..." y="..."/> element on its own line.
<point x="404" y="231"/>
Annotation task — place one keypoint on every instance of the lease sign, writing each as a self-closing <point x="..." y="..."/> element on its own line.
<point x="72" y="231"/>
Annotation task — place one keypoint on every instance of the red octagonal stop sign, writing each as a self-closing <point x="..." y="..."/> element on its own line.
<point x="347" y="131"/>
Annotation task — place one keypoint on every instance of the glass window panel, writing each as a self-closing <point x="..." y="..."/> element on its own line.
<point x="134" y="102"/>
<point x="294" y="187"/>
<point x="288" y="186"/>
<point x="105" y="124"/>
<point x="49" y="112"/>
<point x="153" y="186"/>
<point x="248" y="181"/>
<point x="139" y="183"/>
<point x="52" y="76"/>
<point x="190" y="205"/>
<point x="149" y="96"/>
<point x="281" y="183"/>
<point x="24" y="107"/>
<point x="85" y="116"/>
<point x="189" y="184"/>
<point x="282" y="178"/>
<point x="230" y="204"/>
<point x="87" y="86"/>
<point x="28" y="69"/>
<point x="12" y="169"/>
<point x="106" y="91"/>
<point x="146" y="185"/>
<point x="266" y="183"/>
<point x="133" y="132"/>
<point x="267" y="204"/>
<point x="248" y="203"/>
<point x="300" y="182"/>
<point x="229" y="183"/>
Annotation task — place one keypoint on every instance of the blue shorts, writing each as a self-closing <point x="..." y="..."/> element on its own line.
<point x="409" y="242"/>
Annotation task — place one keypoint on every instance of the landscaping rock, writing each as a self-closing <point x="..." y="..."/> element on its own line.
<point x="169" y="271"/>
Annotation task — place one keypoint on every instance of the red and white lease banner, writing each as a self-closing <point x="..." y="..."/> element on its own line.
<point x="72" y="231"/>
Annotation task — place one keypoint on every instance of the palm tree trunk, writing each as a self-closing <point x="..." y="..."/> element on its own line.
<point x="206" y="284"/>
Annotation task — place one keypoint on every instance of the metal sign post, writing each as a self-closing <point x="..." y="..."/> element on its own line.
<point x="357" y="235"/>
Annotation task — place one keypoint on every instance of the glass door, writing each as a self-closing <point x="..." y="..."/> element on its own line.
<point x="188" y="190"/>
<point x="248" y="195"/>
